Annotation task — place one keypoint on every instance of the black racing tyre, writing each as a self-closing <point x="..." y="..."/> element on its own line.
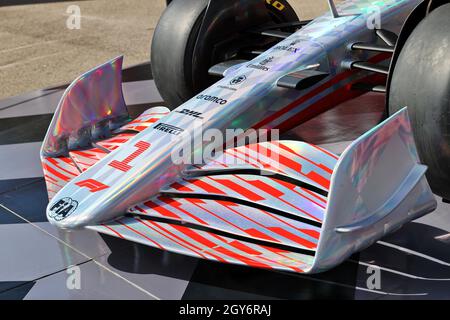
<point x="421" y="81"/>
<point x="178" y="69"/>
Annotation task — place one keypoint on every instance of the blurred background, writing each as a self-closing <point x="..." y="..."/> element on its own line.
<point x="37" y="50"/>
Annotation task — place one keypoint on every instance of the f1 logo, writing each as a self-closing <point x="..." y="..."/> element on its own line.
<point x="123" y="165"/>
<point x="92" y="185"/>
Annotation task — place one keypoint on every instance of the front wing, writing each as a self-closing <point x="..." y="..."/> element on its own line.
<point x="284" y="205"/>
<point x="272" y="210"/>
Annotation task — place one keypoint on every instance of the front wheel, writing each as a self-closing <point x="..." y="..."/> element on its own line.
<point x="421" y="82"/>
<point x="180" y="67"/>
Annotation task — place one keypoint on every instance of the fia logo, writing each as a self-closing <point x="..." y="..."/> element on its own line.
<point x="62" y="208"/>
<point x="237" y="80"/>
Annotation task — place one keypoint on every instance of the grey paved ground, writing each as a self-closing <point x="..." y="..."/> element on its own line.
<point x="37" y="49"/>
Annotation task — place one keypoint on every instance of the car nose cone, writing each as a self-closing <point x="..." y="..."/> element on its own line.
<point x="62" y="213"/>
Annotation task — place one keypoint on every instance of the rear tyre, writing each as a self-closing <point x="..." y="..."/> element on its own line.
<point x="178" y="69"/>
<point x="421" y="81"/>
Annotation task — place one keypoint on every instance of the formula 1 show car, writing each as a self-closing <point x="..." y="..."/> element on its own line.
<point x="173" y="178"/>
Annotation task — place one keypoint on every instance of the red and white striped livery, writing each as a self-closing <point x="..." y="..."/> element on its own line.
<point x="285" y="205"/>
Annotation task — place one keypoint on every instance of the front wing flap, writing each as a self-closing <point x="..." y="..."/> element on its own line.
<point x="306" y="211"/>
<point x="283" y="205"/>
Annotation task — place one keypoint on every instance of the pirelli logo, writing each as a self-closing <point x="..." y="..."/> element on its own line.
<point x="168" y="128"/>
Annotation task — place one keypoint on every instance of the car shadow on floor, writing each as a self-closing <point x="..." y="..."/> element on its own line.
<point x="212" y="280"/>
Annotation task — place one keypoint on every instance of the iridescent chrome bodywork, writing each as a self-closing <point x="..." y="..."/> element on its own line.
<point x="257" y="102"/>
<point x="90" y="108"/>
<point x="369" y="197"/>
<point x="377" y="186"/>
<point x="143" y="166"/>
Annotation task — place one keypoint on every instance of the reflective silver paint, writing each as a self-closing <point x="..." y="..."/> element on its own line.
<point x="91" y="106"/>
<point x="255" y="102"/>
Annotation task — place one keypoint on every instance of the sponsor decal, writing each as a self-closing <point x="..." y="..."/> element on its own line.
<point x="92" y="185"/>
<point x="212" y="99"/>
<point x="234" y="82"/>
<point x="62" y="208"/>
<point x="262" y="65"/>
<point x="191" y="113"/>
<point x="289" y="47"/>
<point x="124" y="165"/>
<point x="227" y="87"/>
<point x="168" y="128"/>
<point x="238" y="80"/>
